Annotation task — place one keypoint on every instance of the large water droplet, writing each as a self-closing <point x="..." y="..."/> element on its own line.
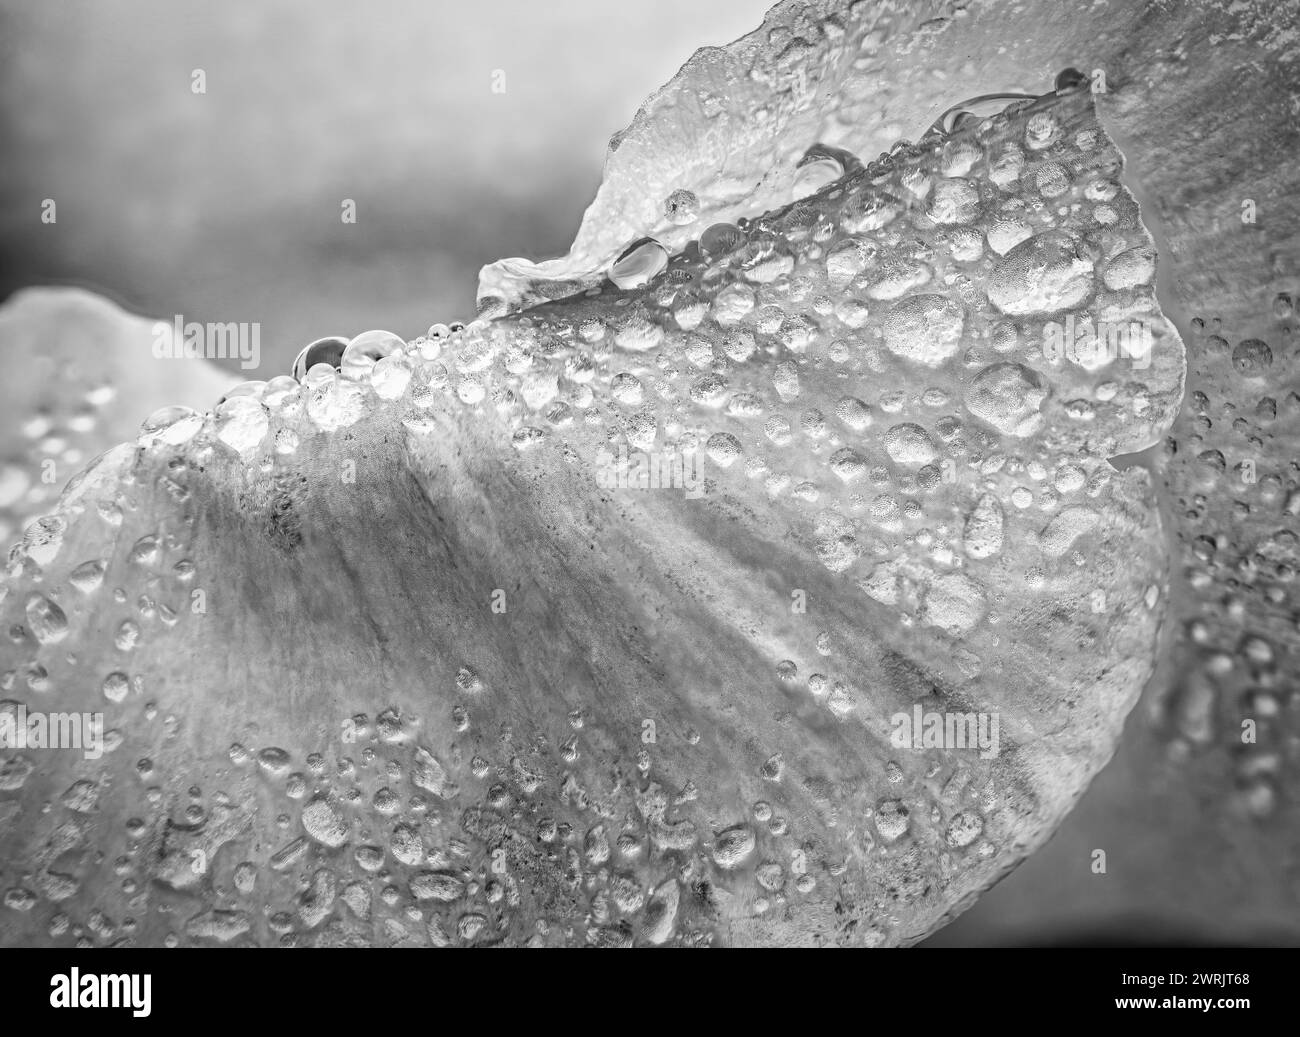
<point x="242" y="423"/>
<point x="815" y="173"/>
<point x="327" y="350"/>
<point x="641" y="263"/>
<point x="720" y="239"/>
<point x="390" y="377"/>
<point x="682" y="207"/>
<point x="170" y="425"/>
<point x="46" y="620"/>
<point x="925" y="329"/>
<point x="361" y="353"/>
<point x="1008" y="396"/>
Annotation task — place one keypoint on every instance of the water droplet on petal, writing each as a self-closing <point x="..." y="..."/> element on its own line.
<point x="327" y="350"/>
<point x="361" y="353"/>
<point x="720" y="239"/>
<point x="242" y="423"/>
<point x="640" y="264"/>
<point x="814" y="174"/>
<point x="682" y="207"/>
<point x="170" y="425"/>
<point x="390" y="377"/>
<point x="46" y="620"/>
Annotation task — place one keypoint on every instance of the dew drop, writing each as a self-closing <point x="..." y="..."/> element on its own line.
<point x="360" y="355"/>
<point x="46" y="620"/>
<point x="172" y="426"/>
<point x="720" y="239"/>
<point x="682" y="207"/>
<point x="328" y="351"/>
<point x="639" y="264"/>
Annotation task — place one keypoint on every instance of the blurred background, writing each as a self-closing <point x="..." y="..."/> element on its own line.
<point x="463" y="132"/>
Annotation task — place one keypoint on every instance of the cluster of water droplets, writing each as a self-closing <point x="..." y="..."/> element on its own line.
<point x="866" y="369"/>
<point x="1232" y="473"/>
<point x="56" y="438"/>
